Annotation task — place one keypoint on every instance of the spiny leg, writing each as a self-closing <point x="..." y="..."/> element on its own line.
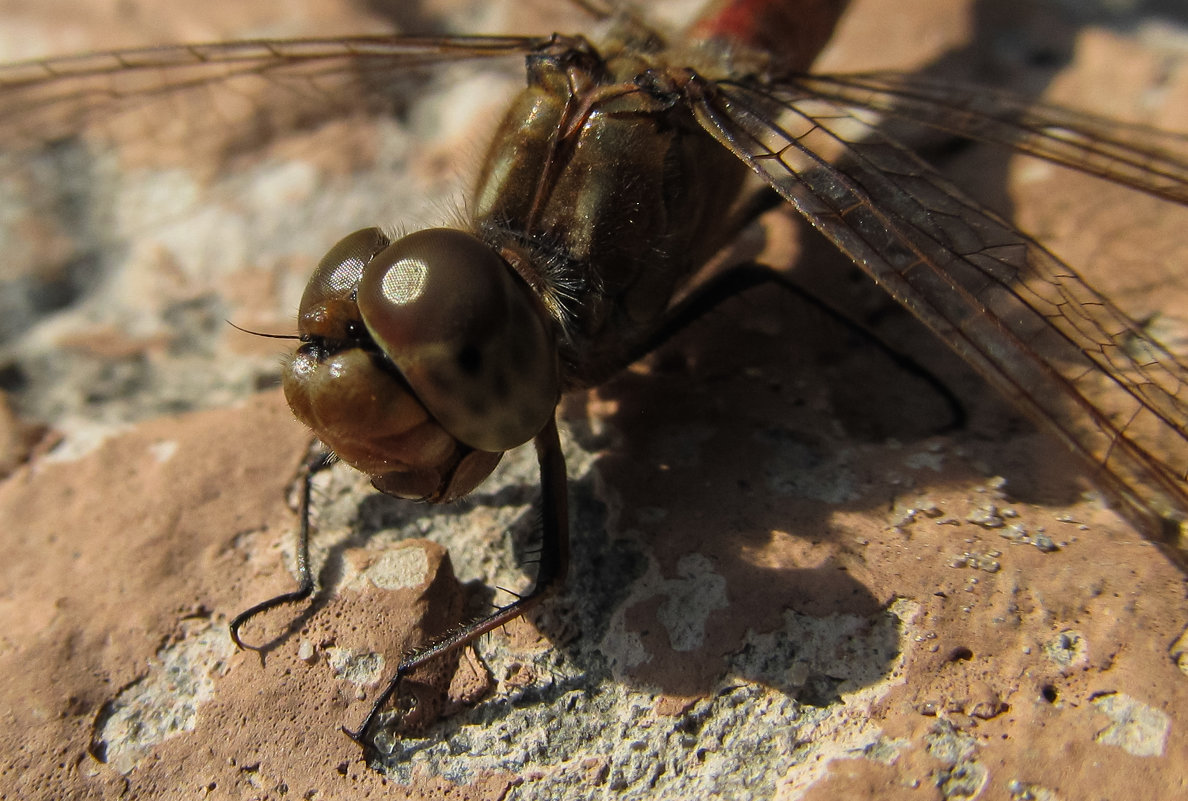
<point x="305" y="580"/>
<point x="553" y="564"/>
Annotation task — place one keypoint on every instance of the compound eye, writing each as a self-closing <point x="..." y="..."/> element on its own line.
<point x="328" y="305"/>
<point x="467" y="335"/>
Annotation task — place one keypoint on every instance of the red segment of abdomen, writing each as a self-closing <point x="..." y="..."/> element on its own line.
<point x="792" y="31"/>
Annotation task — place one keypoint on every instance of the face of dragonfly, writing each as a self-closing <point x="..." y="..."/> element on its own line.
<point x="736" y="472"/>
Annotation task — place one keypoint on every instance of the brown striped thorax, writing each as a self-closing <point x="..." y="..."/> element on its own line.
<point x="424" y="358"/>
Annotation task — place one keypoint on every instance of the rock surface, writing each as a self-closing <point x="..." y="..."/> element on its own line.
<point x="788" y="579"/>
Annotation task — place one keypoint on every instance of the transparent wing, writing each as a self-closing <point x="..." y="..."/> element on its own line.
<point x="154" y="193"/>
<point x="1151" y="160"/>
<point x="181" y="93"/>
<point x="1025" y="320"/>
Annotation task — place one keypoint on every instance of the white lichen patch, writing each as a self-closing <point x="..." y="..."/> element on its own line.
<point x="696" y="592"/>
<point x="755" y="734"/>
<point x="1135" y="727"/>
<point x="886" y="750"/>
<point x="1179" y="652"/>
<point x="398" y="569"/>
<point x="163" y="451"/>
<point x="925" y="459"/>
<point x="359" y="669"/>
<point x="689" y="599"/>
<point x="962" y="775"/>
<point x="1069" y="650"/>
<point x="797" y="468"/>
<point x="165" y="702"/>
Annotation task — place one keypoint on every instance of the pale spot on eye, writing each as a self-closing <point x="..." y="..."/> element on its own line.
<point x="345" y="276"/>
<point x="404" y="281"/>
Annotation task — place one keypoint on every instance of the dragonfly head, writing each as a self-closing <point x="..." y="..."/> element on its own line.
<point x="423" y="359"/>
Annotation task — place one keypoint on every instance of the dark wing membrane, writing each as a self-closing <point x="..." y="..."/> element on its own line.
<point x="219" y="85"/>
<point x="1151" y="160"/>
<point x="1024" y="319"/>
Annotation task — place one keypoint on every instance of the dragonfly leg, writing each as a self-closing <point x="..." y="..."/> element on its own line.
<point x="725" y="285"/>
<point x="305" y="585"/>
<point x="553" y="564"/>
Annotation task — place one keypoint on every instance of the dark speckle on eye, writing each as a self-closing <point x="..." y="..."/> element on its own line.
<point x="470" y="360"/>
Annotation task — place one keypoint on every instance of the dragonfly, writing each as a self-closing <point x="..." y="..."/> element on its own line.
<point x="625" y="166"/>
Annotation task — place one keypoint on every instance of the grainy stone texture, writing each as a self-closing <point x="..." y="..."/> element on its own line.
<point x="788" y="579"/>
